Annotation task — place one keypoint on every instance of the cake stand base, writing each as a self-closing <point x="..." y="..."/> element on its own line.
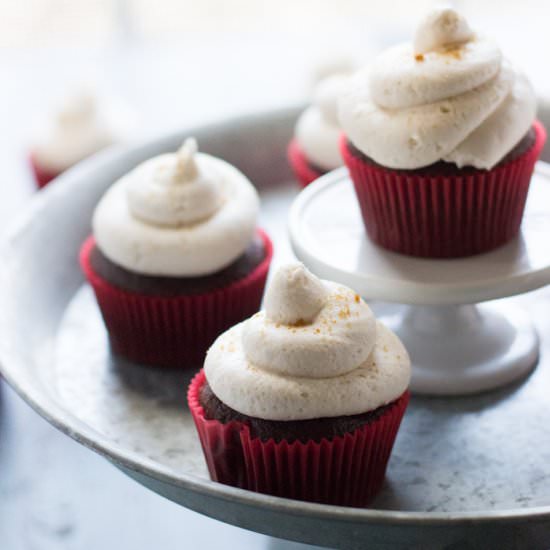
<point x="457" y="350"/>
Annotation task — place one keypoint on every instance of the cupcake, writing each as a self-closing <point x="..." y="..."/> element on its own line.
<point x="314" y="150"/>
<point x="441" y="141"/>
<point x="304" y="399"/>
<point x="77" y="131"/>
<point x="175" y="257"/>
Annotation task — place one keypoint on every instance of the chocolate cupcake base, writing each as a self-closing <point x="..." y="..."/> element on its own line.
<point x="303" y="169"/>
<point x="346" y="469"/>
<point x="130" y="281"/>
<point x="301" y="430"/>
<point x="442" y="211"/>
<point x="173" y="326"/>
<point x="42" y="176"/>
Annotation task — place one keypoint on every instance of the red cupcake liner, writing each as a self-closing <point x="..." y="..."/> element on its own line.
<point x="301" y="167"/>
<point x="173" y="331"/>
<point x="345" y="470"/>
<point x="442" y="216"/>
<point x="41" y="175"/>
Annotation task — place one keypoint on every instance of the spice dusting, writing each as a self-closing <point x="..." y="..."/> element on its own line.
<point x="344" y="313"/>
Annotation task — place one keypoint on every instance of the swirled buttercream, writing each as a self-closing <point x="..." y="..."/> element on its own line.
<point x="315" y="351"/>
<point x="317" y="129"/>
<point x="181" y="214"/>
<point x="77" y="131"/>
<point x="448" y="96"/>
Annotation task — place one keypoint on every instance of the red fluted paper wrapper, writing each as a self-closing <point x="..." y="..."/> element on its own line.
<point x="442" y="216"/>
<point x="174" y="331"/>
<point x="347" y="470"/>
<point x="303" y="171"/>
<point x="41" y="176"/>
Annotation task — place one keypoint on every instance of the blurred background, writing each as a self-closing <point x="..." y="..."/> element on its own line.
<point x="178" y="62"/>
<point x="168" y="64"/>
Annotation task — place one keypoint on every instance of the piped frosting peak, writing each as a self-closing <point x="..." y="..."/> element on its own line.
<point x="442" y="29"/>
<point x="295" y="296"/>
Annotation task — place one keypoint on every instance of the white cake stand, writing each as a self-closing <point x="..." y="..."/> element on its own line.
<point x="456" y="346"/>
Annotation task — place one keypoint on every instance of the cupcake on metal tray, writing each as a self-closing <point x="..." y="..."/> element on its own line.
<point x="304" y="399"/>
<point x="175" y="257"/>
<point x="82" y="127"/>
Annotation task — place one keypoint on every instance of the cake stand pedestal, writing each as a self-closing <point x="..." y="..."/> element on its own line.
<point x="457" y="346"/>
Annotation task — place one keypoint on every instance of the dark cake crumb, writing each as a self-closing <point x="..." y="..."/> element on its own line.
<point x="302" y="430"/>
<point x="172" y="286"/>
<point x="449" y="168"/>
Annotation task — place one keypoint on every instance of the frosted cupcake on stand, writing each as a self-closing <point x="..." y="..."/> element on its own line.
<point x="80" y="129"/>
<point x="441" y="141"/>
<point x="304" y="399"/>
<point x="176" y="257"/>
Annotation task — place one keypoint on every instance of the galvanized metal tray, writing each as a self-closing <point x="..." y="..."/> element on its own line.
<point x="469" y="472"/>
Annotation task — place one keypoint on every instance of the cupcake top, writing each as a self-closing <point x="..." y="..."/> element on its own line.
<point x="449" y="95"/>
<point x="317" y="130"/>
<point x="182" y="214"/>
<point x="77" y="131"/>
<point x="315" y="351"/>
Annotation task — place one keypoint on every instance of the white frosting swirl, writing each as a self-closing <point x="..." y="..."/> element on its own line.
<point x="317" y="129"/>
<point x="181" y="214"/>
<point x="315" y="351"/>
<point x="449" y="96"/>
<point x="175" y="193"/>
<point x="78" y="130"/>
